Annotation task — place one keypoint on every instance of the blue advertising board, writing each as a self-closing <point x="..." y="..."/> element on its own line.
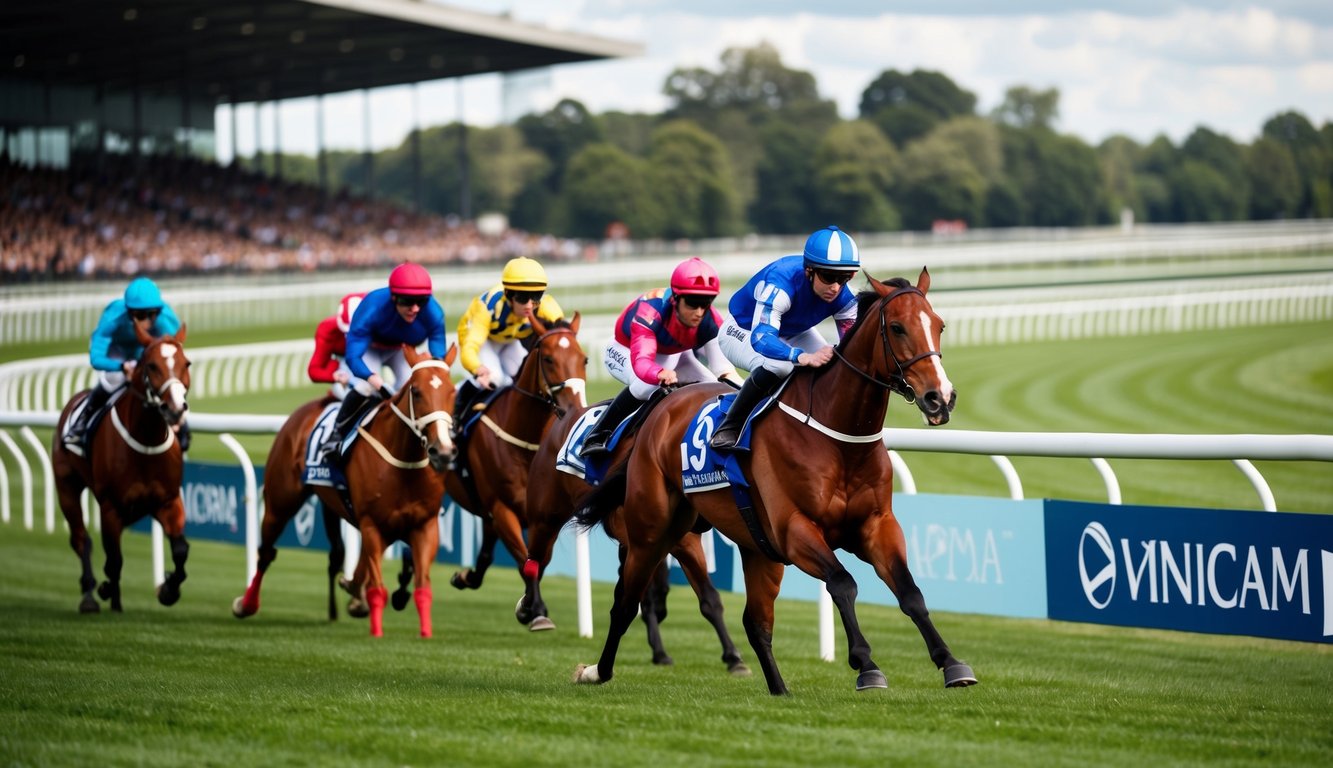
<point x="1265" y="574"/>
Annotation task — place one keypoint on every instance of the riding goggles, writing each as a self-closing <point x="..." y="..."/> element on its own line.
<point x="145" y="314"/>
<point x="524" y="297"/>
<point x="411" y="301"/>
<point x="834" y="276"/>
<point x="696" y="302"/>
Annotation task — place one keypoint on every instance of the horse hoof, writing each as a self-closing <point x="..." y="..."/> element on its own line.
<point x="168" y="596"/>
<point x="739" y="669"/>
<point x="663" y="660"/>
<point x="239" y="609"/>
<point x="345" y="585"/>
<point x="872" y="678"/>
<point x="959" y="676"/>
<point x="586" y="673"/>
<point x="400" y="598"/>
<point x="457" y="581"/>
<point x="104" y="590"/>
<point x="358" y="608"/>
<point x="89" y="605"/>
<point x="523" y="611"/>
<point x="541" y="624"/>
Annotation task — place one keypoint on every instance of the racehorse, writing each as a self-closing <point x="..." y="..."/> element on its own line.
<point x="133" y="464"/>
<point x="550" y="504"/>
<point x="819" y="476"/>
<point x="395" y="483"/>
<point x="551" y="381"/>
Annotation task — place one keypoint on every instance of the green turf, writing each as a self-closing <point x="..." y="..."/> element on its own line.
<point x="190" y="685"/>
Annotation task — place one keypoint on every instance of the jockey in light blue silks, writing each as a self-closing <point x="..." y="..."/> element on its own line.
<point x="773" y="318"/>
<point x="114" y="350"/>
<point x="405" y="312"/>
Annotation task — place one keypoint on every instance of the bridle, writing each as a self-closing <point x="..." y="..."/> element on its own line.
<point x="897" y="382"/>
<point x="414" y="423"/>
<point x="548" y="391"/>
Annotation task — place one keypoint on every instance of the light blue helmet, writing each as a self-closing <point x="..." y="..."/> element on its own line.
<point x="831" y="248"/>
<point x="142" y="293"/>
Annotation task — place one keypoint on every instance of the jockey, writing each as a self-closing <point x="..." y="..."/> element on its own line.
<point x="404" y="312"/>
<point x="328" y="365"/>
<point x="773" y="318"/>
<point x="114" y="351"/>
<point x="490" y="331"/>
<point x="659" y="338"/>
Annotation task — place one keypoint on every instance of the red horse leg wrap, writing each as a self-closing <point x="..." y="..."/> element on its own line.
<point x="377" y="597"/>
<point x="251" y="600"/>
<point x="531" y="569"/>
<point x="423" y="599"/>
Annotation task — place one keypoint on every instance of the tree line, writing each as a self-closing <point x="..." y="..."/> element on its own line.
<point x="753" y="147"/>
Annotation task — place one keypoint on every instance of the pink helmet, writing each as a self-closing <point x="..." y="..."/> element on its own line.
<point x="410" y="280"/>
<point x="695" y="276"/>
<point x="347" y="308"/>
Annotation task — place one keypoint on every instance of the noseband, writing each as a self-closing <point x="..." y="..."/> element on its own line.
<point x="418" y="425"/>
<point x="898" y="381"/>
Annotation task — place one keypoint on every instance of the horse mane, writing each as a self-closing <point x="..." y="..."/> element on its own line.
<point x="864" y="301"/>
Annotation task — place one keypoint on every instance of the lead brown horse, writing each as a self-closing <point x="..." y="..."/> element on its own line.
<point x="395" y="483"/>
<point x="820" y="478"/>
<point x="133" y="466"/>
<point x="550" y="505"/>
<point x="498" y="454"/>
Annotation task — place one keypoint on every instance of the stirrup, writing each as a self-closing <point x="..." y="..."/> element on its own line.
<point x="594" y="444"/>
<point x="725" y="440"/>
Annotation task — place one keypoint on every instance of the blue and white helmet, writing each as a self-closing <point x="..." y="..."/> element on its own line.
<point x="831" y="248"/>
<point x="142" y="293"/>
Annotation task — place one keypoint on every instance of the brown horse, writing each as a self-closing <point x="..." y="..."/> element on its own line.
<point x="551" y="497"/>
<point x="820" y="479"/>
<point x="395" y="483"/>
<point x="133" y="466"/>
<point x="499" y="452"/>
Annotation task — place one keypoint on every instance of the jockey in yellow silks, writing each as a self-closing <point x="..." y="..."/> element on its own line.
<point x="496" y="321"/>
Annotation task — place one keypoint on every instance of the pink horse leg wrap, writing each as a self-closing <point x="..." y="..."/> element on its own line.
<point x="531" y="569"/>
<point x="251" y="600"/>
<point x="422" y="597"/>
<point x="377" y="597"/>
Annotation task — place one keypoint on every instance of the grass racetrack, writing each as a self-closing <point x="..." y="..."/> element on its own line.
<point x="190" y="685"/>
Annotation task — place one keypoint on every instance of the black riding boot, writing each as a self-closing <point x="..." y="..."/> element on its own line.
<point x="601" y="432"/>
<point x="463" y="400"/>
<point x="761" y="382"/>
<point x="78" y="431"/>
<point x="352" y="406"/>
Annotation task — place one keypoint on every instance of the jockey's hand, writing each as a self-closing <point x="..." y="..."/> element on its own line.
<point x="666" y="377"/>
<point x="342" y="377"/>
<point x="128" y="366"/>
<point x="733" y="377"/>
<point x="483" y="377"/>
<point x="815" y="359"/>
<point x="375" y="381"/>
<point x="385" y="394"/>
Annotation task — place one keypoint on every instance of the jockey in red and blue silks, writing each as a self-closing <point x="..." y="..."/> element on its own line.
<point x="659" y="340"/>
<point x="773" y="318"/>
<point x="328" y="363"/>
<point x="405" y="312"/>
<point x="114" y="349"/>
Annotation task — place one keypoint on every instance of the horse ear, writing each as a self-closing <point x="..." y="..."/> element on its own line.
<point x="451" y="355"/>
<point x="880" y="288"/>
<point x="141" y="334"/>
<point x="574" y="324"/>
<point x="537" y="324"/>
<point x="180" y="334"/>
<point x="411" y="355"/>
<point x="923" y="282"/>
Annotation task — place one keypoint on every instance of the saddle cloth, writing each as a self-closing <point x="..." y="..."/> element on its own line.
<point x="93" y="420"/>
<point x="705" y="469"/>
<point x="319" y="472"/>
<point x="568" y="460"/>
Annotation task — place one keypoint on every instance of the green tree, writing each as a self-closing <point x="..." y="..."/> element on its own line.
<point x="1057" y="177"/>
<point x="604" y="184"/>
<point x="1119" y="157"/>
<point x="1314" y="160"/>
<point x="1275" y="181"/>
<point x="1202" y="193"/>
<point x="855" y="168"/>
<point x="785" y="202"/>
<point x="939" y="181"/>
<point x="1225" y="158"/>
<point x="908" y="106"/>
<point x="1025" y="107"/>
<point x="693" y="182"/>
<point x="557" y="134"/>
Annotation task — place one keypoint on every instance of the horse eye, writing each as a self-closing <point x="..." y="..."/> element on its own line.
<point x="898" y="329"/>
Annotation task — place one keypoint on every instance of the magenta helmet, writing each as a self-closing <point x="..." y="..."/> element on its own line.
<point x="409" y="280"/>
<point x="695" y="276"/>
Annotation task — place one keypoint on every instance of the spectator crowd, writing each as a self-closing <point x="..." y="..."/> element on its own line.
<point x="182" y="216"/>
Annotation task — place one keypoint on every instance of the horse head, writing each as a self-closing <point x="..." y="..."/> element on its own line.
<point x="560" y="364"/>
<point x="162" y="375"/>
<point x="908" y="353"/>
<point x="426" y="404"/>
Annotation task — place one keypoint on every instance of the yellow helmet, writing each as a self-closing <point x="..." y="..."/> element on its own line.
<point x="523" y="274"/>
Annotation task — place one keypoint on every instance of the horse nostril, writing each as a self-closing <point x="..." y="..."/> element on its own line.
<point x="932" y="401"/>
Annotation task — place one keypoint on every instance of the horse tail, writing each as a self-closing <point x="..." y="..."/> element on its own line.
<point x="596" y="505"/>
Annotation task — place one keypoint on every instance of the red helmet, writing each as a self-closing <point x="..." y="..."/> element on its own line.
<point x="346" y="308"/>
<point x="410" y="280"/>
<point x="695" y="276"/>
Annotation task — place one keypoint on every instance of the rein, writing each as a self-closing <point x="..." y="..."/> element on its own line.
<point x="153" y="399"/>
<point x="416" y="425"/>
<point x="548" y="391"/>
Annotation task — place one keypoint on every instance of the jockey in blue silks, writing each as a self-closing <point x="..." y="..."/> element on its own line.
<point x="405" y="312"/>
<point x="773" y="318"/>
<point x="114" y="350"/>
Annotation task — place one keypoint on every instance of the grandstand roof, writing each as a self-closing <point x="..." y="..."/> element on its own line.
<point x="232" y="52"/>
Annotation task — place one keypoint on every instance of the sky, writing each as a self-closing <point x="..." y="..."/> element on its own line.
<point x="1140" y="68"/>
